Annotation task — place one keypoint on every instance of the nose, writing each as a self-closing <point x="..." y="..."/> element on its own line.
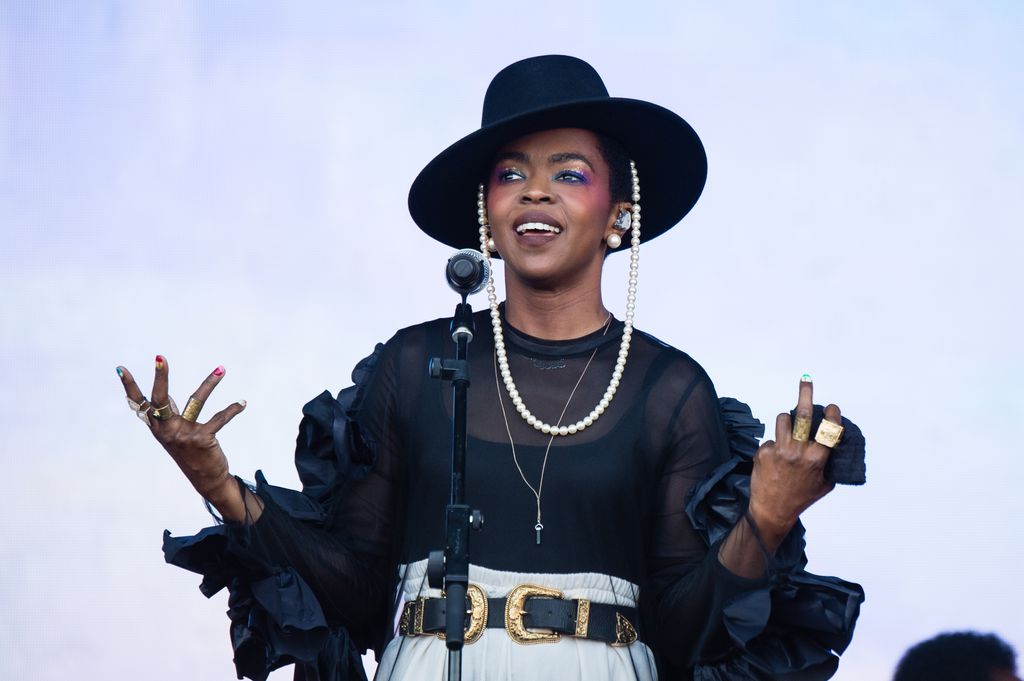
<point x="536" y="190"/>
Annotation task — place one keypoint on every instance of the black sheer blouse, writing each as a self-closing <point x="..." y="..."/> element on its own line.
<point x="375" y="466"/>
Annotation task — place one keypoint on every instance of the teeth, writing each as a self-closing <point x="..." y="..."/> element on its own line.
<point x="537" y="227"/>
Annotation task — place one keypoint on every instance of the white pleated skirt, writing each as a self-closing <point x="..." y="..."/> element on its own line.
<point x="496" y="657"/>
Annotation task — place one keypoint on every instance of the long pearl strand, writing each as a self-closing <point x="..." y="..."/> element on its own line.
<point x="627" y="330"/>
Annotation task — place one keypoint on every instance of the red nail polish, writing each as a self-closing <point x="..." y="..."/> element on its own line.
<point x="219" y="371"/>
<point x="159" y="361"/>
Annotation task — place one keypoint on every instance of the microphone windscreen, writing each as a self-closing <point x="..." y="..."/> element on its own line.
<point x="468" y="271"/>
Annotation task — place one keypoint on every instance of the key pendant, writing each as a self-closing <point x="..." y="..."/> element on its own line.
<point x="538" y="527"/>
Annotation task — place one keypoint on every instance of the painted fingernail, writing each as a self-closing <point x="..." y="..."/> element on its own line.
<point x="160" y="361"/>
<point x="242" y="403"/>
<point x="806" y="378"/>
<point x="219" y="371"/>
<point x="120" y="372"/>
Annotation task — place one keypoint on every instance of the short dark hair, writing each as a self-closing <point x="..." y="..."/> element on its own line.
<point x="620" y="180"/>
<point x="956" y="656"/>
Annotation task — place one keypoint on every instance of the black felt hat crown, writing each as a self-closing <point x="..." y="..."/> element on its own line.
<point x="557" y="91"/>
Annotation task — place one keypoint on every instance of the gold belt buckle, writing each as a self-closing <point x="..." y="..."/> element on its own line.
<point x="411" y="623"/>
<point x="625" y="633"/>
<point x="412" y="617"/>
<point x="477" y="614"/>
<point x="515" y="608"/>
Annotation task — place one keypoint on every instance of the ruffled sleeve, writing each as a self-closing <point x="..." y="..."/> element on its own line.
<point x="309" y="581"/>
<point x="794" y="624"/>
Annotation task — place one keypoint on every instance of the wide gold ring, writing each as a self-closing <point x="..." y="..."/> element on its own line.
<point x="162" y="413"/>
<point x="802" y="429"/>
<point x="828" y="434"/>
<point x="192" y="409"/>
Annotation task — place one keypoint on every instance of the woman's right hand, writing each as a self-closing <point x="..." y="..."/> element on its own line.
<point x="191" y="444"/>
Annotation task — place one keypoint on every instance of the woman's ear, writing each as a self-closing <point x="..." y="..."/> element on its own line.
<point x="620" y="225"/>
<point x="622" y="220"/>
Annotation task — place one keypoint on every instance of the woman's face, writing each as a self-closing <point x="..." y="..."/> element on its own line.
<point x="549" y="205"/>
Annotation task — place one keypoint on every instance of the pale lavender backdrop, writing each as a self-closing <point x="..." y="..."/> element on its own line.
<point x="226" y="183"/>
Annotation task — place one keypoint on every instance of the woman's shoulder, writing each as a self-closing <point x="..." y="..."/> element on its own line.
<point x="434" y="335"/>
<point x="413" y="340"/>
<point x="666" y="358"/>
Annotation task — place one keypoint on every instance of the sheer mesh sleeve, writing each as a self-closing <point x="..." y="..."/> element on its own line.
<point x="310" y="579"/>
<point x="346" y="455"/>
<point x="687" y="586"/>
<point x="795" y="624"/>
<point x="703" y="620"/>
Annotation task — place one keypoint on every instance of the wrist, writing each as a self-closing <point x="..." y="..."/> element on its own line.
<point x="772" y="527"/>
<point x="227" y="498"/>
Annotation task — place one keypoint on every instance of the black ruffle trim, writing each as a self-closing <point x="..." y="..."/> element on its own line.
<point x="276" y="619"/>
<point x="795" y="628"/>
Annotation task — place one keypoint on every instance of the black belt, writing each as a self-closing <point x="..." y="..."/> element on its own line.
<point x="525" y="610"/>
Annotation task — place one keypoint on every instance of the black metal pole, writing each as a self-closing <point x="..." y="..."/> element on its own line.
<point x="450" y="568"/>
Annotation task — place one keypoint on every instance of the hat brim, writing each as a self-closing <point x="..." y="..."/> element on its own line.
<point x="668" y="153"/>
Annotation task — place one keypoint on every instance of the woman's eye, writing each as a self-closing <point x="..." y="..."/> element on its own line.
<point x="509" y="175"/>
<point x="571" y="176"/>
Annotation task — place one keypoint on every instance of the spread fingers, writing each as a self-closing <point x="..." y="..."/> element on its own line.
<point x="159" y="394"/>
<point x="131" y="388"/>
<point x="221" y="418"/>
<point x="202" y="393"/>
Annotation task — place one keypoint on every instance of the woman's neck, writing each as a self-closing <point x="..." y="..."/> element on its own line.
<point x="555" y="314"/>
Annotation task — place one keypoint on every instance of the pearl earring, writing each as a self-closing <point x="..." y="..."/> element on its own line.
<point x="622" y="223"/>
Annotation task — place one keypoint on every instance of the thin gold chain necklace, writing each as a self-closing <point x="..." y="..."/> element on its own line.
<point x="539" y="489"/>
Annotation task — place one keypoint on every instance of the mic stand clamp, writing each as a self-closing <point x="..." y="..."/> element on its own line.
<point x="449" y="569"/>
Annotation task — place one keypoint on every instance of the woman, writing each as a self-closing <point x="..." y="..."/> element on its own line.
<point x="582" y="452"/>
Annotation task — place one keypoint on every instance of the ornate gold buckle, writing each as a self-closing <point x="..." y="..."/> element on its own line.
<point x="625" y="633"/>
<point x="515" y="608"/>
<point x="412" y="617"/>
<point x="477" y="614"/>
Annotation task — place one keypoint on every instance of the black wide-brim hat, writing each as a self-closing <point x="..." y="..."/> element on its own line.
<point x="556" y="91"/>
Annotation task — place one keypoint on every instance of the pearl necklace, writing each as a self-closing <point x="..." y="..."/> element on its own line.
<point x="627" y="330"/>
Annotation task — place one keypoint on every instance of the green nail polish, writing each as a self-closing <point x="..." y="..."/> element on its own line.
<point x="806" y="378"/>
<point x="120" y="372"/>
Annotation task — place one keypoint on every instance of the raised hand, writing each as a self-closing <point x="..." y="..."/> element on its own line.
<point x="788" y="473"/>
<point x="191" y="444"/>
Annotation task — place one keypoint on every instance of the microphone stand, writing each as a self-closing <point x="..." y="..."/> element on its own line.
<point x="449" y="569"/>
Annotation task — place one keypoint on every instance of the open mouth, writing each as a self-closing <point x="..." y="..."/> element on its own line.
<point x="537" y="228"/>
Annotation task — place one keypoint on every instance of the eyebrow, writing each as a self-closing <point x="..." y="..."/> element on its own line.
<point x="564" y="156"/>
<point x="560" y="157"/>
<point x="512" y="156"/>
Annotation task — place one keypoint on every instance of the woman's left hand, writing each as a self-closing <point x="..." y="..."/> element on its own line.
<point x="788" y="473"/>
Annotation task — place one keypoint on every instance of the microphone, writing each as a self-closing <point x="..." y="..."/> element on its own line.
<point x="467" y="272"/>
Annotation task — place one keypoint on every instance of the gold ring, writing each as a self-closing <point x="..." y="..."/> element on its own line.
<point x="162" y="413"/>
<point x="828" y="434"/>
<point x="801" y="429"/>
<point x="192" y="409"/>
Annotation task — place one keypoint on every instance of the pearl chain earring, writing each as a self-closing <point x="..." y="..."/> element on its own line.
<point x="487" y="245"/>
